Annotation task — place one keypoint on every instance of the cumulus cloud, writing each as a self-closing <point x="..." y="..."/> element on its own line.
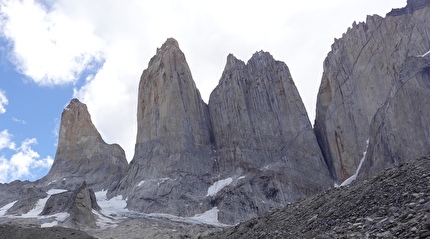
<point x="3" y="102"/>
<point x="23" y="160"/>
<point x="48" y="47"/>
<point x="5" y="140"/>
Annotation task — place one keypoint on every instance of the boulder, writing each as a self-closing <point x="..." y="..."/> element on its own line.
<point x="79" y="203"/>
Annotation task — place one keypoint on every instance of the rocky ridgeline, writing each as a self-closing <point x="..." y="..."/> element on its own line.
<point x="359" y="74"/>
<point x="393" y="204"/>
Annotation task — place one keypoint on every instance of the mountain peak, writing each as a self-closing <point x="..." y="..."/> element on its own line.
<point x="76" y="122"/>
<point x="170" y="43"/>
<point x="82" y="154"/>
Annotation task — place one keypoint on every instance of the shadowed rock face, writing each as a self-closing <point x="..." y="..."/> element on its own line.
<point x="172" y="164"/>
<point x="358" y="75"/>
<point x="83" y="155"/>
<point x="263" y="139"/>
<point x="400" y="130"/>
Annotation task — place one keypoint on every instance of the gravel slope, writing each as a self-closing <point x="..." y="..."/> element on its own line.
<point x="394" y="204"/>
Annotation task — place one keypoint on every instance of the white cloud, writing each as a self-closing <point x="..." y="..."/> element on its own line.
<point x="19" y="120"/>
<point x="3" y="102"/>
<point x="23" y="160"/>
<point x="5" y="140"/>
<point x="48" y="47"/>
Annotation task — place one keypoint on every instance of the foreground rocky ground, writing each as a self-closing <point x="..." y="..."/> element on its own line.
<point x="394" y="204"/>
<point x="10" y="231"/>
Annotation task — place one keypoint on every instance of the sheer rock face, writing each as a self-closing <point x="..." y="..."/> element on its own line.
<point x="83" y="155"/>
<point x="264" y="140"/>
<point x="172" y="163"/>
<point x="358" y="75"/>
<point x="400" y="130"/>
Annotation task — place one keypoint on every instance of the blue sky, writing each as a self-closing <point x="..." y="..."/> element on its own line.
<point x="54" y="50"/>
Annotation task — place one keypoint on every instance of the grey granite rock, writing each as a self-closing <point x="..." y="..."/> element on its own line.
<point x="82" y="155"/>
<point x="15" y="190"/>
<point x="359" y="73"/>
<point x="172" y="165"/>
<point x="400" y="130"/>
<point x="263" y="139"/>
<point x="26" y="199"/>
<point x="255" y="140"/>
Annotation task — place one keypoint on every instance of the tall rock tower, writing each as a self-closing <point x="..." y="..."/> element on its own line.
<point x="172" y="164"/>
<point x="359" y="73"/>
<point x="263" y="139"/>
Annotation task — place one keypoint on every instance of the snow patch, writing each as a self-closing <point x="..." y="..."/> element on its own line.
<point x="209" y="217"/>
<point x="41" y="204"/>
<point x="59" y="217"/>
<point x="425" y="54"/>
<point x="53" y="181"/>
<point x="6" y="207"/>
<point x="141" y="183"/>
<point x="111" y="206"/>
<point x="49" y="224"/>
<point x="241" y="177"/>
<point x="162" y="180"/>
<point x="354" y="176"/>
<point x="55" y="191"/>
<point x="104" y="221"/>
<point x="217" y="186"/>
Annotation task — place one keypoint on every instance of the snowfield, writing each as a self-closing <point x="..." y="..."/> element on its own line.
<point x="114" y="211"/>
<point x="217" y="186"/>
<point x="38" y="208"/>
<point x="6" y="207"/>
